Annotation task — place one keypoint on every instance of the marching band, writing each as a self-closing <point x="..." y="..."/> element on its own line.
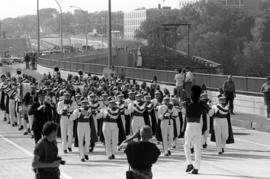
<point x="91" y="109"/>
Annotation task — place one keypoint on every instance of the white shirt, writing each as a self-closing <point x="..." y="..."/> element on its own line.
<point x="189" y="76"/>
<point x="179" y="78"/>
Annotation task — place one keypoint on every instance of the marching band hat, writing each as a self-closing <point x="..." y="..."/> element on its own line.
<point x="147" y="96"/>
<point x="84" y="101"/>
<point x="104" y="94"/>
<point x="112" y="101"/>
<point x="78" y="95"/>
<point x="66" y="94"/>
<point x="92" y="95"/>
<point x="157" y="92"/>
<point x="166" y="98"/>
<point x="204" y="96"/>
<point x="139" y="95"/>
<point x="221" y="97"/>
<point x="3" y="76"/>
<point x="120" y="95"/>
<point x="131" y="93"/>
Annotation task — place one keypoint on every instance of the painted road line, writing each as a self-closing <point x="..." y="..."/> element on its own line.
<point x="28" y="153"/>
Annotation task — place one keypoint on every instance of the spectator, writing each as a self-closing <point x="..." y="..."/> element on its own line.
<point x="27" y="60"/>
<point x="229" y="91"/>
<point x="265" y="89"/>
<point x="189" y="78"/>
<point x="179" y="78"/>
<point x="154" y="79"/>
<point x="46" y="161"/>
<point x="142" y="155"/>
<point x="122" y="74"/>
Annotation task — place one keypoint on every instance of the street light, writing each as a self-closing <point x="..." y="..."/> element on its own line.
<point x="86" y="28"/>
<point x="61" y="31"/>
<point x="109" y="34"/>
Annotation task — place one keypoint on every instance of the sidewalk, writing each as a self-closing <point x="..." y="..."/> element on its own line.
<point x="245" y="120"/>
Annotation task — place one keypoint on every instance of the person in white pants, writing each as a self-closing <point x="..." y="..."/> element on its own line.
<point x="64" y="108"/>
<point x="137" y="109"/>
<point x="165" y="115"/>
<point x="221" y="112"/>
<point x="193" y="133"/>
<point x="83" y="115"/>
<point x="12" y="94"/>
<point x="122" y="105"/>
<point x="110" y="128"/>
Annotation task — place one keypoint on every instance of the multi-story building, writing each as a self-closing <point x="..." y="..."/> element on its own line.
<point x="133" y="21"/>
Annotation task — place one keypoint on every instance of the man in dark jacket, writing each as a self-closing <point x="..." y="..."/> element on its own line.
<point x="42" y="112"/>
<point x="229" y="90"/>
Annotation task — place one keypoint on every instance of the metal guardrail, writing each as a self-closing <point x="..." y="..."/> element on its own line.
<point x="244" y="85"/>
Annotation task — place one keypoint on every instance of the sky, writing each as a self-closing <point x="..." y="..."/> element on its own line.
<point x="15" y="8"/>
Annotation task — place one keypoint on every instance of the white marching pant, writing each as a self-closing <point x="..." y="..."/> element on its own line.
<point x="167" y="134"/>
<point x="83" y="131"/>
<point x="66" y="126"/>
<point x="110" y="131"/>
<point x="11" y="107"/>
<point x="137" y="123"/>
<point x="193" y="135"/>
<point x="123" y="122"/>
<point x="221" y="132"/>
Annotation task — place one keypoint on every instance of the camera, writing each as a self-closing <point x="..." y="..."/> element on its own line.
<point x="62" y="162"/>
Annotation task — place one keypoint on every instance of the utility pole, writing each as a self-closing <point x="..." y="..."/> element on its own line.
<point x="109" y="34"/>
<point x="38" y="31"/>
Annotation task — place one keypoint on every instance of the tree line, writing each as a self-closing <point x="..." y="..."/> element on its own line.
<point x="235" y="38"/>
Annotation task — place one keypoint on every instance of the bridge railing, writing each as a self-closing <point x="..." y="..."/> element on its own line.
<point x="244" y="85"/>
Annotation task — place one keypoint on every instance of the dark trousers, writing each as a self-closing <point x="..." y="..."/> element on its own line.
<point x="41" y="174"/>
<point x="229" y="99"/>
<point x="37" y="135"/>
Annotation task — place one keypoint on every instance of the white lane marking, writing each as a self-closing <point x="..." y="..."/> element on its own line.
<point x="255" y="143"/>
<point x="28" y="153"/>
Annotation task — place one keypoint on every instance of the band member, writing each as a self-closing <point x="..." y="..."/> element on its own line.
<point x="151" y="113"/>
<point x="83" y="115"/>
<point x="77" y="105"/>
<point x="65" y="109"/>
<point x="110" y="128"/>
<point x="128" y="101"/>
<point x="165" y="114"/>
<point x="137" y="109"/>
<point x="177" y="119"/>
<point x="205" y="119"/>
<point x="95" y="110"/>
<point x="12" y="109"/>
<point x="193" y="134"/>
<point x="222" y="132"/>
<point x="121" y="104"/>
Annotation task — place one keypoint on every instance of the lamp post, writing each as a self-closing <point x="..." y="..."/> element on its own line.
<point x="61" y="30"/>
<point x="38" y="31"/>
<point x="86" y="27"/>
<point x="109" y="34"/>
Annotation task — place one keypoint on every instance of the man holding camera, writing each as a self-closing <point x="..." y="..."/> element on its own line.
<point x="46" y="160"/>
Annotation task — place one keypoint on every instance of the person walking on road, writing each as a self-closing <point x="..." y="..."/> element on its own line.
<point x="229" y="91"/>
<point x="189" y="79"/>
<point x="180" y="78"/>
<point x="265" y="89"/>
<point x="27" y="60"/>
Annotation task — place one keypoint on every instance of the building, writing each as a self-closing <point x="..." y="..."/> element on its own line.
<point x="133" y="21"/>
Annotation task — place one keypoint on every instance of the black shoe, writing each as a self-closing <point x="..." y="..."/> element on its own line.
<point x="21" y="128"/>
<point x="86" y="157"/>
<point x="113" y="157"/>
<point x="8" y="122"/>
<point x="29" y="131"/>
<point x="110" y="157"/>
<point x="204" y="146"/>
<point x="195" y="171"/>
<point x="192" y="150"/>
<point x="189" y="168"/>
<point x="69" y="149"/>
<point x="65" y="151"/>
<point x="15" y="124"/>
<point x="174" y="147"/>
<point x="222" y="150"/>
<point x="5" y="119"/>
<point x="25" y="133"/>
<point x="169" y="152"/>
<point x="91" y="149"/>
<point x="82" y="160"/>
<point x="220" y="153"/>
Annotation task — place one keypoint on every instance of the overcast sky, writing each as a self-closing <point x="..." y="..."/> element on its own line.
<point x="14" y="8"/>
